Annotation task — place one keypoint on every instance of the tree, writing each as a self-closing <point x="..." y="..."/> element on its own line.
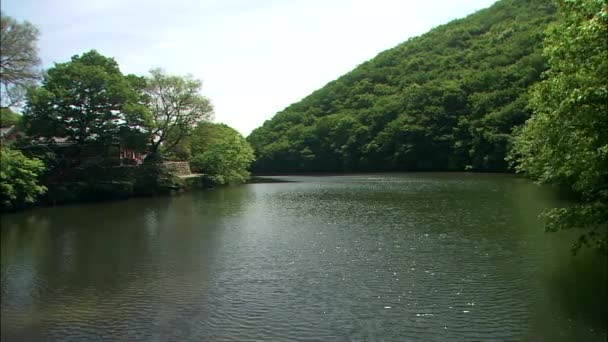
<point x="19" y="178"/>
<point x="565" y="142"/>
<point x="8" y="117"/>
<point x="18" y="59"/>
<point x="220" y="152"/>
<point x="176" y="106"/>
<point x="88" y="100"/>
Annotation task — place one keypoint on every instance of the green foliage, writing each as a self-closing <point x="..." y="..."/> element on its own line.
<point x="19" y="178"/>
<point x="89" y="101"/>
<point x="99" y="110"/>
<point x="176" y="106"/>
<point x="8" y="117"/>
<point x="447" y="100"/>
<point x="153" y="179"/>
<point x="179" y="151"/>
<point x="220" y="152"/>
<point x="565" y="142"/>
<point x="18" y="59"/>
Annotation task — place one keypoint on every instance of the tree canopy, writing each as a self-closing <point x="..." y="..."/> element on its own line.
<point x="220" y="152"/>
<point x="88" y="100"/>
<point x="18" y="59"/>
<point x="565" y="142"/>
<point x="176" y="106"/>
<point x="446" y="100"/>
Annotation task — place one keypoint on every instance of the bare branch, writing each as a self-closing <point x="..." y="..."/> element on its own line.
<point x="18" y="59"/>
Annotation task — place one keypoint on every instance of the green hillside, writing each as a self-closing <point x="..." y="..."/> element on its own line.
<point x="446" y="100"/>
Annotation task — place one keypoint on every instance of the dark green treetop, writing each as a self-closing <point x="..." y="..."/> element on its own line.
<point x="88" y="100"/>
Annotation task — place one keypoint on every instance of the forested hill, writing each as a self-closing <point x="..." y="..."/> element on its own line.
<point x="446" y="100"/>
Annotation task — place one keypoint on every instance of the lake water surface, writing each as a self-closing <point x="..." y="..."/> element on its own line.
<point x="381" y="257"/>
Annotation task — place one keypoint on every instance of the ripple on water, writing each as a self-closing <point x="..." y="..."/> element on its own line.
<point x="388" y="257"/>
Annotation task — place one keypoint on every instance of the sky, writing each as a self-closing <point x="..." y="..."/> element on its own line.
<point x="255" y="57"/>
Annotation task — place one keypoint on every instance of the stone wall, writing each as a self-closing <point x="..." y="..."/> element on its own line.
<point x="177" y="168"/>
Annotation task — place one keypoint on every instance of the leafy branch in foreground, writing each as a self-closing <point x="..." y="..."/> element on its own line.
<point x="19" y="178"/>
<point x="565" y="142"/>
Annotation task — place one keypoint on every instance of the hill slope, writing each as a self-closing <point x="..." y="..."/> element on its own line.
<point x="446" y="100"/>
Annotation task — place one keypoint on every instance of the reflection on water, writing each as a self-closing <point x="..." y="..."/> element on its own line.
<point x="369" y="257"/>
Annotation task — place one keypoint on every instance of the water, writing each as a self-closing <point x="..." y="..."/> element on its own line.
<point x="400" y="257"/>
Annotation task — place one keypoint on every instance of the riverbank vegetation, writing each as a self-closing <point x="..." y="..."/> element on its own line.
<point x="19" y="178"/>
<point x="517" y="87"/>
<point x="491" y="92"/>
<point x="565" y="142"/>
<point x="220" y="152"/>
<point x="90" y="132"/>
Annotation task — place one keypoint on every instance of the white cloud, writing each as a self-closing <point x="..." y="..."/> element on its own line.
<point x="254" y="57"/>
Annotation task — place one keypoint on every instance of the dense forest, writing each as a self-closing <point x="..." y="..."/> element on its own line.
<point x="446" y="100"/>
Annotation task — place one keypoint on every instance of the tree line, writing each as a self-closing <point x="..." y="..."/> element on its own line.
<point x="520" y="86"/>
<point x="446" y="100"/>
<point x="84" y="112"/>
